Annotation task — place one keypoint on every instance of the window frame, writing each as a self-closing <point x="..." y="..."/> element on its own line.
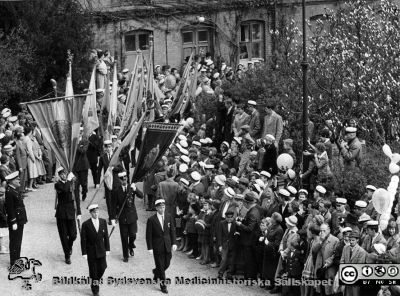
<point x="136" y="34"/>
<point x="249" y="41"/>
<point x="196" y="44"/>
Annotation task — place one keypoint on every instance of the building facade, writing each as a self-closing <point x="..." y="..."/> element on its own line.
<point x="236" y="31"/>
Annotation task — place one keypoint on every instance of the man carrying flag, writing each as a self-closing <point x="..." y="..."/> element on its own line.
<point x="66" y="209"/>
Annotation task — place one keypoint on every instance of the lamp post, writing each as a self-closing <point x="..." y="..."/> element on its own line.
<point x="304" y="66"/>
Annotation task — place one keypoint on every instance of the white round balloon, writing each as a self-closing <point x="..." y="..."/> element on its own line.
<point x="284" y="161"/>
<point x="386" y="149"/>
<point x="393" y="168"/>
<point x="395" y="157"/>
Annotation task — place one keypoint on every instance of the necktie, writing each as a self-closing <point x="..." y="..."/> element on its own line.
<point x="351" y="252"/>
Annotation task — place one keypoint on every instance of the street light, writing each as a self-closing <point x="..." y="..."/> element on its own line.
<point x="304" y="66"/>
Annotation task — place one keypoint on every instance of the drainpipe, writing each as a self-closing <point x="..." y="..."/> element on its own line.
<point x="166" y="42"/>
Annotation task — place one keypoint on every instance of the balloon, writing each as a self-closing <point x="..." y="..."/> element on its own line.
<point x="284" y="161"/>
<point x="381" y="200"/>
<point x="385" y="216"/>
<point x="395" y="157"/>
<point x="386" y="149"/>
<point x="393" y="168"/>
<point x="383" y="224"/>
<point x="395" y="179"/>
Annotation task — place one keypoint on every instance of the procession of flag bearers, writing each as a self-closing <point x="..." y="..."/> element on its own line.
<point x="220" y="194"/>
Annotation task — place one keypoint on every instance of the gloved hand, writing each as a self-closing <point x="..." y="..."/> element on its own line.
<point x="85" y="257"/>
<point x="151" y="252"/>
<point x="79" y="217"/>
<point x="15" y="226"/>
<point x="70" y="176"/>
<point x="174" y="247"/>
<point x="113" y="223"/>
<point x="107" y="253"/>
<point x="133" y="186"/>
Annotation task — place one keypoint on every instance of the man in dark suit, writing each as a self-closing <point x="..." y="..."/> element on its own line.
<point x="160" y="239"/>
<point x="230" y="111"/>
<point x="95" y="246"/>
<point x="66" y="208"/>
<point x="21" y="156"/>
<point x="4" y="168"/>
<point x="93" y="153"/>
<point x="124" y="201"/>
<point x="81" y="167"/>
<point x="16" y="216"/>
<point x="104" y="161"/>
<point x="249" y="230"/>
<point x="168" y="190"/>
<point x="226" y="243"/>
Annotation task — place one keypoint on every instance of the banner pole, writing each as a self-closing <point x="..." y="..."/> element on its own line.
<point x="94" y="195"/>
<point x="56" y="98"/>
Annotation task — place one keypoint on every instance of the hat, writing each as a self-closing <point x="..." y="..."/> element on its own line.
<point x="229" y="213"/>
<point x="183" y="143"/>
<point x="380" y="248"/>
<point x="291" y="221"/>
<point x="100" y="90"/>
<point x="2" y="135"/>
<point x="184" y="181"/>
<point x="203" y="70"/>
<point x="164" y="107"/>
<point x="203" y="141"/>
<point x="196" y="143"/>
<point x="271" y="137"/>
<point x="185" y="158"/>
<point x="195" y="176"/>
<point x="245" y="127"/>
<point x="360" y="204"/>
<point x="122" y="174"/>
<point x="341" y="201"/>
<point x="238" y="140"/>
<point x="5" y="110"/>
<point x="371" y="187"/>
<point x="372" y="223"/>
<point x="8" y="147"/>
<point x="216" y="75"/>
<point x="208" y="140"/>
<point x="159" y="201"/>
<point x="12" y="176"/>
<point x="239" y="196"/>
<point x="114" y="137"/>
<point x="209" y="166"/>
<point x="351" y="129"/>
<point x="303" y="191"/>
<point x="320" y="189"/>
<point x="107" y="142"/>
<point x="225" y="143"/>
<point x="182" y="150"/>
<point x="354" y="234"/>
<point x="235" y="179"/>
<point x="265" y="174"/>
<point x="252" y="103"/>
<point x="6" y="114"/>
<point x="167" y="101"/>
<point x="202" y="164"/>
<point x="250" y="197"/>
<point x="13" y="118"/>
<point x="93" y="207"/>
<point x="260" y="183"/>
<point x="244" y="181"/>
<point x="200" y="225"/>
<point x="59" y="169"/>
<point x="345" y="229"/>
<point x="364" y="218"/>
<point x="126" y="70"/>
<point x="117" y="127"/>
<point x="257" y="188"/>
<point x="292" y="190"/>
<point x="183" y="167"/>
<point x="284" y="192"/>
<point x="229" y="192"/>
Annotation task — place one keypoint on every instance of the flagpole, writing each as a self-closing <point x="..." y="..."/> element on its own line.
<point x="53" y="99"/>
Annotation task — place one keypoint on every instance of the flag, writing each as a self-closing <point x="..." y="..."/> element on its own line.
<point x="90" y="120"/>
<point x="59" y="121"/>
<point x="129" y="140"/>
<point x="69" y="91"/>
<point x="192" y="90"/>
<point x="156" y="141"/>
<point x="113" y="102"/>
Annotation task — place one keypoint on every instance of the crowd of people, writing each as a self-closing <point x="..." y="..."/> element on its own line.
<point x="234" y="207"/>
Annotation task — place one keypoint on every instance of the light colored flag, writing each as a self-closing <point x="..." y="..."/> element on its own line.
<point x="69" y="91"/>
<point x="90" y="120"/>
<point x="113" y="102"/>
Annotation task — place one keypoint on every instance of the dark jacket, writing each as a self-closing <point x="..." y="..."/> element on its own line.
<point x="157" y="239"/>
<point x="226" y="239"/>
<point x="94" y="148"/>
<point x="269" y="160"/>
<point x="94" y="244"/>
<point x="129" y="213"/>
<point x="21" y="155"/>
<point x="103" y="163"/>
<point x="293" y="264"/>
<point x="65" y="201"/>
<point x="250" y="228"/>
<point x="81" y="160"/>
<point x="15" y="207"/>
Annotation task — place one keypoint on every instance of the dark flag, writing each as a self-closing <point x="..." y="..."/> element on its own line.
<point x="157" y="138"/>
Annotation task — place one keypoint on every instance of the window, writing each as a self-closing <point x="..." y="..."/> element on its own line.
<point x="196" y="39"/>
<point x="252" y="40"/>
<point x="137" y="40"/>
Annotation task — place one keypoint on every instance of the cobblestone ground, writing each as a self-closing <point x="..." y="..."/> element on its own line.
<point x="41" y="241"/>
